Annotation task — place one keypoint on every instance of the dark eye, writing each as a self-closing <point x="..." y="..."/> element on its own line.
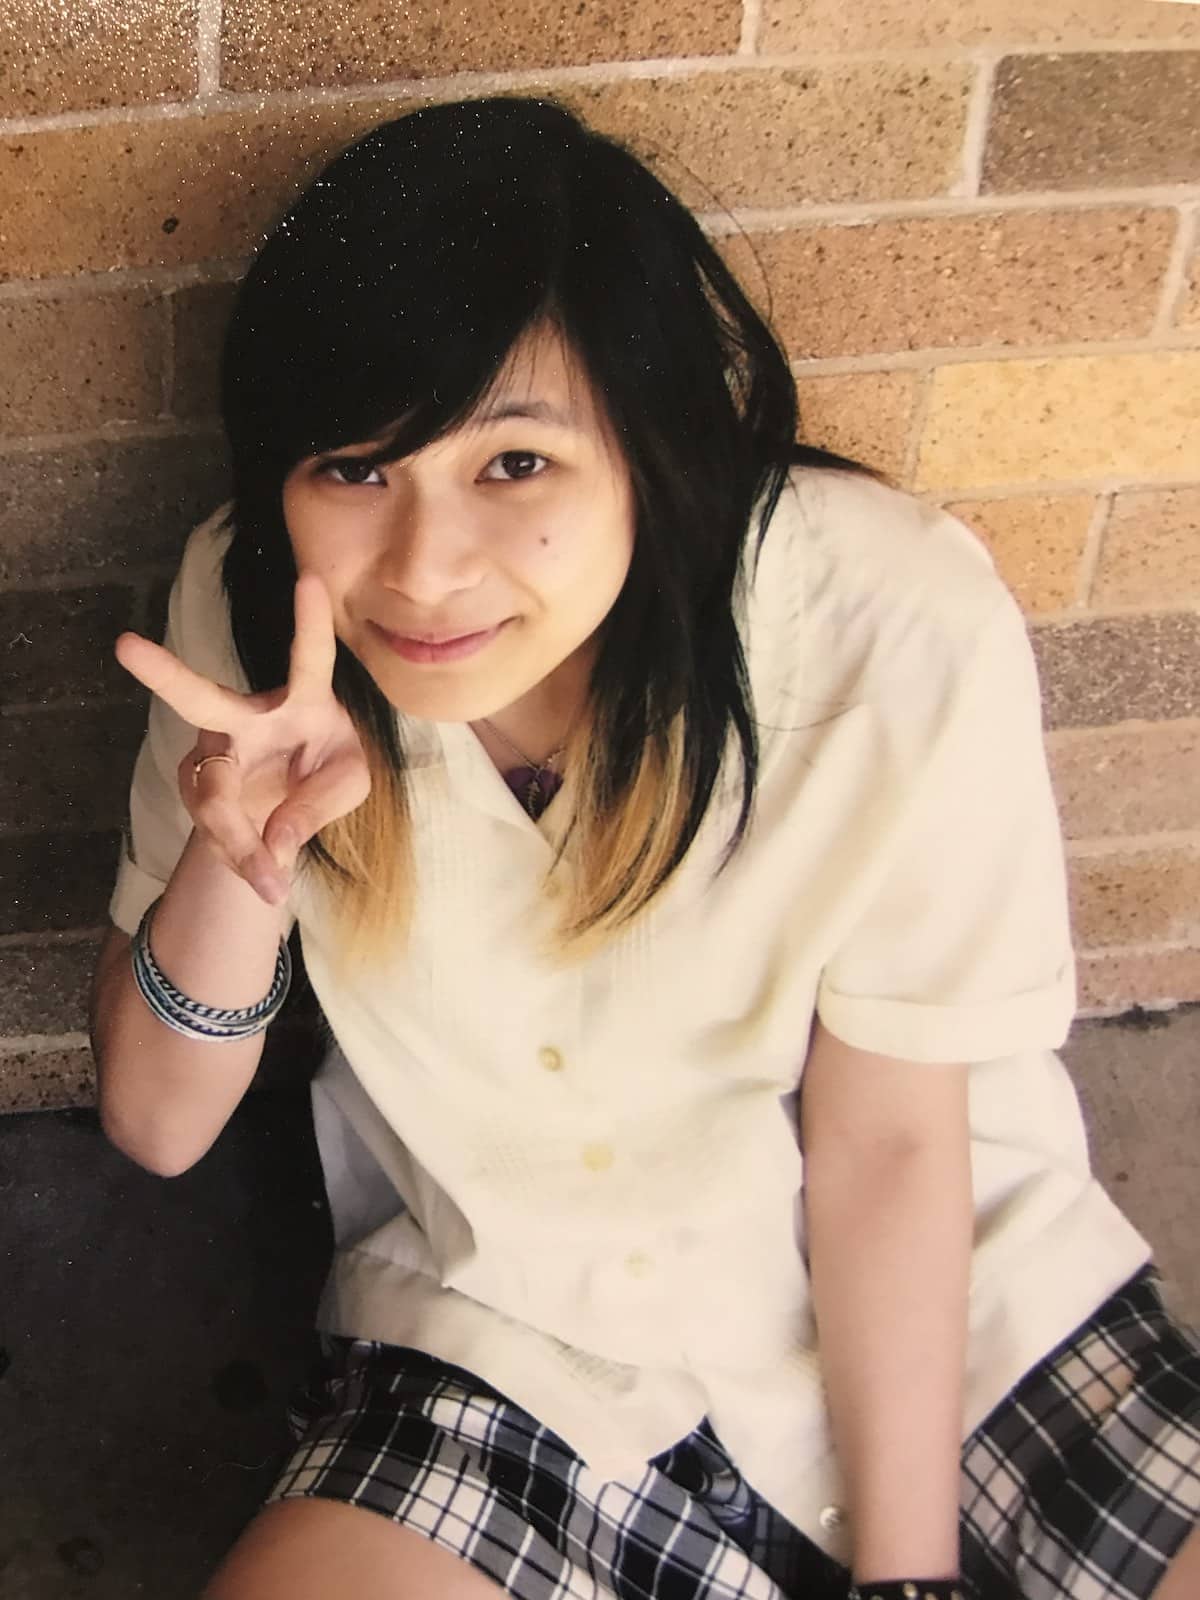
<point x="511" y="465"/>
<point x="351" y="470"/>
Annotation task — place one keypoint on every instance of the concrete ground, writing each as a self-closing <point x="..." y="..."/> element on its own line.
<point x="150" y="1330"/>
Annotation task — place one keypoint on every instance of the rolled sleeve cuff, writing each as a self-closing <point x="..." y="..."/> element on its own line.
<point x="914" y="1031"/>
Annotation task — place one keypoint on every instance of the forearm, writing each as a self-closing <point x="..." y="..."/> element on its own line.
<point x="889" y="1236"/>
<point x="164" y="1098"/>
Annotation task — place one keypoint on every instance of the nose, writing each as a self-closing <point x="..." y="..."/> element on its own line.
<point x="432" y="549"/>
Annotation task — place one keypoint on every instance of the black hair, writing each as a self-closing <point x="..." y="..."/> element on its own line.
<point x="386" y="303"/>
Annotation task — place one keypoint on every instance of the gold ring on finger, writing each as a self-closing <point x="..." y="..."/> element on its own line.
<point x="199" y="766"/>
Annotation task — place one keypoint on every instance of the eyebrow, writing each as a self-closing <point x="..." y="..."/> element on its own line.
<point x="531" y="410"/>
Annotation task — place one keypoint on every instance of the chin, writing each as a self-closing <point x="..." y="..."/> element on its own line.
<point x="439" y="698"/>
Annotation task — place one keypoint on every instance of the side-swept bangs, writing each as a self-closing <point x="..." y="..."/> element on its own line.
<point x="384" y="308"/>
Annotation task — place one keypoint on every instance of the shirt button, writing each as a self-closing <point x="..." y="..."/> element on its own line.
<point x="832" y="1517"/>
<point x="550" y="1058"/>
<point x="638" y="1265"/>
<point x="597" y="1157"/>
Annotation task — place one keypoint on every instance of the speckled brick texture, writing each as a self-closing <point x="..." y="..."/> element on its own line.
<point x="1039" y="277"/>
<point x="81" y="361"/>
<point x="1094" y="416"/>
<point x="905" y="25"/>
<point x="106" y="507"/>
<point x="1151" y="550"/>
<point x="1119" y="669"/>
<point x="56" y="645"/>
<point x="68" y="769"/>
<point x="989" y="309"/>
<point x="1137" y="897"/>
<point x="73" y="55"/>
<point x="1084" y="121"/>
<point x="1118" y="781"/>
<point x="1037" y="542"/>
<point x="271" y="44"/>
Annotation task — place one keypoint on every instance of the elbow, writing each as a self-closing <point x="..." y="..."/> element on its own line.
<point x="154" y="1149"/>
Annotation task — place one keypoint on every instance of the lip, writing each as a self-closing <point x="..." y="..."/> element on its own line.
<point x="430" y="651"/>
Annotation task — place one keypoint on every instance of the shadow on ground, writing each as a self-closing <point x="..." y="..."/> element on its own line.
<point x="150" y="1333"/>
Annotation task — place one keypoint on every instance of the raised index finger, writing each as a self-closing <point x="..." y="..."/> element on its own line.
<point x="197" y="700"/>
<point x="314" y="643"/>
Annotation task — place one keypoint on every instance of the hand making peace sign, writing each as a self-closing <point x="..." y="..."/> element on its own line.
<point x="268" y="771"/>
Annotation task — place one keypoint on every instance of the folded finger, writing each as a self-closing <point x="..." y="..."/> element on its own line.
<point x="197" y="700"/>
<point x="337" y="787"/>
<point x="215" y="803"/>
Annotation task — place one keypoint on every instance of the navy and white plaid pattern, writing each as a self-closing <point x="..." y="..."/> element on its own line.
<point x="1080" y="1486"/>
<point x="1086" y="1480"/>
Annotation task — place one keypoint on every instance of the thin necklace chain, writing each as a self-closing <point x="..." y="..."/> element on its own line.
<point x="536" y="766"/>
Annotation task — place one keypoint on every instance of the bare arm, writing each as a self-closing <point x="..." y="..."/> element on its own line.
<point x="163" y="1098"/>
<point x="290" y="763"/>
<point x="889" y="1225"/>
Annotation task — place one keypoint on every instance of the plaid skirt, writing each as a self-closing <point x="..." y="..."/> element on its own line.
<point x="1081" y="1485"/>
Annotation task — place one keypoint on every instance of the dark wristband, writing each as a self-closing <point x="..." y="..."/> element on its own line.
<point x="910" y="1589"/>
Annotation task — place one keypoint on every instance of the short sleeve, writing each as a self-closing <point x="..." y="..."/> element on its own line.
<point x="961" y="950"/>
<point x="198" y="633"/>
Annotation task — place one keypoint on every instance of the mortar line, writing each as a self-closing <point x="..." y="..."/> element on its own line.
<point x="1093" y="549"/>
<point x="751" y="27"/>
<point x="48" y="938"/>
<point x="979" y="111"/>
<point x="208" y="48"/>
<point x="1144" y="947"/>
<point x="916" y="426"/>
<point x="1175" y="278"/>
<point x="717" y="224"/>
<point x="130" y="578"/>
<point x="1133" y="844"/>
<point x="549" y="77"/>
<point x="39" y="1044"/>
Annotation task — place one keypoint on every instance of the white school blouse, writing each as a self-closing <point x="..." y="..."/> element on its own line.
<point x="582" y="1182"/>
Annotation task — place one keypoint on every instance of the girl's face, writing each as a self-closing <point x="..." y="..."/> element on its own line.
<point x="472" y="571"/>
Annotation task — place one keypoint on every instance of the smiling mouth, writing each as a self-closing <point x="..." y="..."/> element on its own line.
<point x="425" y="648"/>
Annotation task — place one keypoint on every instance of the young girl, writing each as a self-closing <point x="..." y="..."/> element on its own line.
<point x="664" y="813"/>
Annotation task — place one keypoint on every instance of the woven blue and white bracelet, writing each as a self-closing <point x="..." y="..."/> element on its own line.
<point x="192" y="1018"/>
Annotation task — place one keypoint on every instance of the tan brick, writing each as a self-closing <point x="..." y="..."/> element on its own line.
<point x="1037" y="542"/>
<point x="1119" y="669"/>
<point x="865" y="415"/>
<point x="1151" y="550"/>
<point x="855" y="132"/>
<point x="271" y="44"/>
<point x="1078" y="121"/>
<point x="80" y="361"/>
<point x="1115" y="983"/>
<point x="1128" y="780"/>
<point x="1137" y="898"/>
<point x="108" y="506"/>
<point x="201" y="317"/>
<point x="834" y="25"/>
<point x="175" y="191"/>
<point x="917" y="284"/>
<point x="1079" y="417"/>
<point x="46" y="1080"/>
<point x="72" y="55"/>
<point x="159" y="193"/>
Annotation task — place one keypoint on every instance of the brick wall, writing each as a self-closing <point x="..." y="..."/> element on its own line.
<point x="977" y="221"/>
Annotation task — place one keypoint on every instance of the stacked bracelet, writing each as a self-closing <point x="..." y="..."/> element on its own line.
<point x="193" y="1019"/>
<point x="909" y="1589"/>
